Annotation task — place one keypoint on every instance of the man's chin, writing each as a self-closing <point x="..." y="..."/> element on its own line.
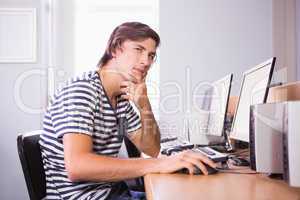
<point x="128" y="78"/>
<point x="125" y="77"/>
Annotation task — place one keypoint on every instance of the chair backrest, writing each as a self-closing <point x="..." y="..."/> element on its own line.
<point x="32" y="164"/>
<point x="133" y="152"/>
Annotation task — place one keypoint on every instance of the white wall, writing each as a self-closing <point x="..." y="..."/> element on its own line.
<point x="13" y="118"/>
<point x="33" y="78"/>
<point x="284" y="38"/>
<point x="298" y="38"/>
<point x="203" y="41"/>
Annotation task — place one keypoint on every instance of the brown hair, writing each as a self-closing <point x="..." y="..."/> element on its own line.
<point x="134" y="31"/>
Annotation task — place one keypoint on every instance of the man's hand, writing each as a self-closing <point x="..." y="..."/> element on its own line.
<point x="136" y="89"/>
<point x="186" y="159"/>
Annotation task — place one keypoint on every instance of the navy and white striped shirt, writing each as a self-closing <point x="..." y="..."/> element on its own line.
<point x="81" y="106"/>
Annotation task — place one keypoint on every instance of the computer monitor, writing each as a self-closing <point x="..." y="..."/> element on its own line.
<point x="206" y="125"/>
<point x="218" y="106"/>
<point x="254" y="90"/>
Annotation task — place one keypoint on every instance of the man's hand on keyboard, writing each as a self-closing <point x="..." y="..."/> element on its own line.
<point x="185" y="159"/>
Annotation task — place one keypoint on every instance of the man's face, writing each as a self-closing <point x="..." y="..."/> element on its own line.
<point x="134" y="58"/>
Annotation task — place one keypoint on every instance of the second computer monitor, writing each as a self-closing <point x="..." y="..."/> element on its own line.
<point x="254" y="90"/>
<point x="218" y="106"/>
<point x="206" y="123"/>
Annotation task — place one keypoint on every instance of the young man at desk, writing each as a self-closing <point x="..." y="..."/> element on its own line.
<point x="80" y="141"/>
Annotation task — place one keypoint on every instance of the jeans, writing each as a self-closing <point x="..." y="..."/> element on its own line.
<point x="120" y="191"/>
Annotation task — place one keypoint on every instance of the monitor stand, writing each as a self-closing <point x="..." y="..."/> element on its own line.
<point x="224" y="147"/>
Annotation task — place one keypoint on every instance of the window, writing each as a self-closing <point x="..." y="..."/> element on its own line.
<point x="94" y="22"/>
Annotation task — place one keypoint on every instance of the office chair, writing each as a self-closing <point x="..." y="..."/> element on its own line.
<point x="133" y="152"/>
<point x="32" y="164"/>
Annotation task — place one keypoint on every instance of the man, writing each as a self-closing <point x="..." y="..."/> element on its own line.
<point x="81" y="141"/>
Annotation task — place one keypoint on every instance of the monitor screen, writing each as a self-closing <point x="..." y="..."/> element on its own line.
<point x="206" y="122"/>
<point x="254" y="90"/>
<point x="218" y="105"/>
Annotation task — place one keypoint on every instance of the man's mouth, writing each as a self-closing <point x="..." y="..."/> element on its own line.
<point x="139" y="70"/>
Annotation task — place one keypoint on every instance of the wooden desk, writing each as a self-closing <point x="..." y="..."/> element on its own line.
<point x="220" y="186"/>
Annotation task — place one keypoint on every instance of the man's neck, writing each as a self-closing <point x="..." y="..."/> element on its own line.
<point x="110" y="82"/>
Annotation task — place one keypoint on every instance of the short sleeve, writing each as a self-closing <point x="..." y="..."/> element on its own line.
<point x="74" y="109"/>
<point x="133" y="119"/>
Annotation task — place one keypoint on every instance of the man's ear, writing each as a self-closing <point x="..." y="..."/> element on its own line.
<point x="113" y="53"/>
<point x="116" y="51"/>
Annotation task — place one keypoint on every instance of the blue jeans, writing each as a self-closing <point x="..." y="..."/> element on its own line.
<point x="120" y="191"/>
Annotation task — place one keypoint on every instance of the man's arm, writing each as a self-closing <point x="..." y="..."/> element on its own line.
<point x="147" y="138"/>
<point x="82" y="164"/>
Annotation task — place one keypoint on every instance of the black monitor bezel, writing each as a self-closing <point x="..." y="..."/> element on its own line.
<point x="227" y="104"/>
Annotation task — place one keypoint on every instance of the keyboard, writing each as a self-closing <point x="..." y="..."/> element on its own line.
<point x="212" y="154"/>
<point x="167" y="139"/>
<point x="172" y="145"/>
<point x="173" y="142"/>
<point x="207" y="151"/>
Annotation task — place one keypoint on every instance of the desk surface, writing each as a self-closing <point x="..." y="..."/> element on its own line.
<point x="218" y="186"/>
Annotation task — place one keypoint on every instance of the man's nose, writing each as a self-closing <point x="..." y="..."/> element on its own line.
<point x="145" y="60"/>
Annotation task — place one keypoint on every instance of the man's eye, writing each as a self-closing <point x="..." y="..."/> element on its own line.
<point x="152" y="57"/>
<point x="138" y="49"/>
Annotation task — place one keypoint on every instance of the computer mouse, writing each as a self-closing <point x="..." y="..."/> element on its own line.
<point x="197" y="171"/>
<point x="239" y="161"/>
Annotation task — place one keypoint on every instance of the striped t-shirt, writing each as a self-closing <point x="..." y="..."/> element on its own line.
<point x="82" y="106"/>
